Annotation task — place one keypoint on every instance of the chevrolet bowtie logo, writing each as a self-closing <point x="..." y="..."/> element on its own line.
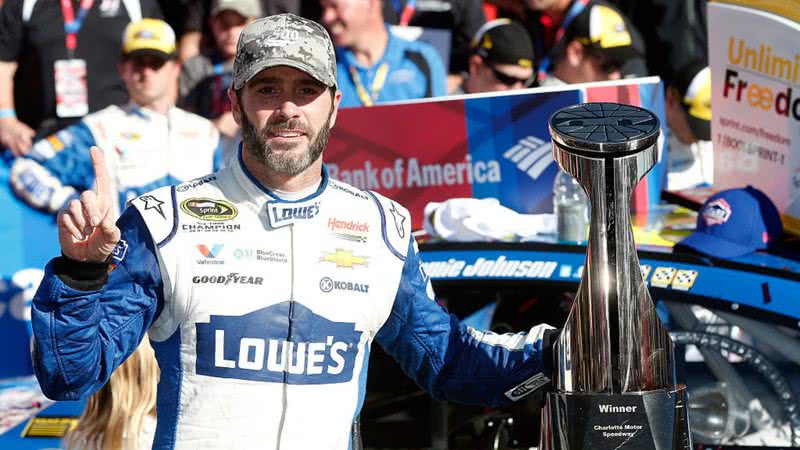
<point x="344" y="258"/>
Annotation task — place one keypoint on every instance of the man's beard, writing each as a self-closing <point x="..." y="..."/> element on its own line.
<point x="282" y="161"/>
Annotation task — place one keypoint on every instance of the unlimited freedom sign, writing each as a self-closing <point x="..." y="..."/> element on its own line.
<point x="755" y="99"/>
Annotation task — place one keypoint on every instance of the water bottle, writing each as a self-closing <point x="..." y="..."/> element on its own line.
<point x="570" y="206"/>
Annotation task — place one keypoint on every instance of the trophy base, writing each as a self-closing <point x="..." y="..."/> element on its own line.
<point x="641" y="420"/>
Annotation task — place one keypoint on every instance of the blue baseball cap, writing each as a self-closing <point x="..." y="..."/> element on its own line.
<point x="735" y="222"/>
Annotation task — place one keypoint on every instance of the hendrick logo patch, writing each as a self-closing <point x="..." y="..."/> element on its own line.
<point x="209" y="209"/>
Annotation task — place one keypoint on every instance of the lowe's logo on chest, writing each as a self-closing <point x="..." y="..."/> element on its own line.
<point x="282" y="214"/>
<point x="284" y="343"/>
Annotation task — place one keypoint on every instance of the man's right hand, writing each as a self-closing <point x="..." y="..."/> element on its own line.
<point x="15" y="135"/>
<point x="86" y="228"/>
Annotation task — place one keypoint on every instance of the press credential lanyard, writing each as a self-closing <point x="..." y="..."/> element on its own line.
<point x="576" y="8"/>
<point x="73" y="24"/>
<point x="369" y="98"/>
<point x="407" y="12"/>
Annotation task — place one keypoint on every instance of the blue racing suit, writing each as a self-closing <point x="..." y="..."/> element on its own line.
<point x="262" y="313"/>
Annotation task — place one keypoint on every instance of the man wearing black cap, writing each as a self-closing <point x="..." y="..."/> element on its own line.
<point x="148" y="142"/>
<point x="264" y="285"/>
<point x="688" y="108"/>
<point x="599" y="43"/>
<point x="502" y="58"/>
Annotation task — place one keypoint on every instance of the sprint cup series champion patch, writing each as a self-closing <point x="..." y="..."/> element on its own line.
<point x="209" y="209"/>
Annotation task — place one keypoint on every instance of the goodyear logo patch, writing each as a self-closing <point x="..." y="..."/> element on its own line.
<point x="209" y="209"/>
<point x="259" y="347"/>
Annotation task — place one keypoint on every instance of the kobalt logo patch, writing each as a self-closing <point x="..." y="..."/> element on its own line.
<point x="257" y="347"/>
<point x="209" y="209"/>
<point x="338" y="187"/>
<point x="327" y="284"/>
<point x="195" y="183"/>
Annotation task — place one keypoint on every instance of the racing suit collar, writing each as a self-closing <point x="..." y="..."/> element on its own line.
<point x="260" y="193"/>
<point x="146" y="113"/>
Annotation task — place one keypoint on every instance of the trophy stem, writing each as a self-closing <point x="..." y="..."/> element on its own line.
<point x="614" y="377"/>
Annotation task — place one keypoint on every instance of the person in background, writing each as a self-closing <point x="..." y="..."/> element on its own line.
<point x="690" y="153"/>
<point x="148" y="142"/>
<point x="49" y="78"/>
<point x="205" y="78"/>
<point x="675" y="32"/>
<point x="196" y="34"/>
<point x="462" y="18"/>
<point x="373" y="65"/>
<point x="598" y="44"/>
<point x="502" y="59"/>
<point x="122" y="414"/>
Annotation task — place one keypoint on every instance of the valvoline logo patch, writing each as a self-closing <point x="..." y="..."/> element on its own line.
<point x="717" y="212"/>
<point x="257" y="346"/>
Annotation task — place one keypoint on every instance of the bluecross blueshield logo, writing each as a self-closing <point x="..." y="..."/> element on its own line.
<point x="257" y="347"/>
<point x="531" y="155"/>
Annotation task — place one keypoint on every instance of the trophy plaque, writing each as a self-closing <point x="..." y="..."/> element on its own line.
<point x="613" y="373"/>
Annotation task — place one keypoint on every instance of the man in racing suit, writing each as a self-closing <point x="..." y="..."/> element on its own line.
<point x="149" y="143"/>
<point x="263" y="285"/>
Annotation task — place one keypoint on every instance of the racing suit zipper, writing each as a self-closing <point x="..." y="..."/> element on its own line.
<point x="288" y="335"/>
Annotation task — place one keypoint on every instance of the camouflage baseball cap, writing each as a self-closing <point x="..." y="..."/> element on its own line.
<point x="284" y="40"/>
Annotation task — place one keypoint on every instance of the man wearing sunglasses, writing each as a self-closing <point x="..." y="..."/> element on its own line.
<point x="502" y="58"/>
<point x="599" y="44"/>
<point x="149" y="142"/>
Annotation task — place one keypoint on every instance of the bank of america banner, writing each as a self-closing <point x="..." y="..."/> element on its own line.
<point x="475" y="146"/>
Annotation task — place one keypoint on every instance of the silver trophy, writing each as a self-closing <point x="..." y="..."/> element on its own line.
<point x="613" y="379"/>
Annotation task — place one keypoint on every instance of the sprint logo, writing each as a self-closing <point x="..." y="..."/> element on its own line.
<point x="531" y="155"/>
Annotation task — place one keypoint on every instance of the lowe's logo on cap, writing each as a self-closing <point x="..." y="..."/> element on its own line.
<point x="717" y="212"/>
<point x="259" y="347"/>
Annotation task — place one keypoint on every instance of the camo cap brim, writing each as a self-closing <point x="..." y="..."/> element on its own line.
<point x="284" y="40"/>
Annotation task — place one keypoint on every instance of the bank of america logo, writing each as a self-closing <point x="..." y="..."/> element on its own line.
<point x="531" y="155"/>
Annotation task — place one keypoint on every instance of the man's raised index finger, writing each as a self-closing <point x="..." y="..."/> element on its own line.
<point x="102" y="179"/>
